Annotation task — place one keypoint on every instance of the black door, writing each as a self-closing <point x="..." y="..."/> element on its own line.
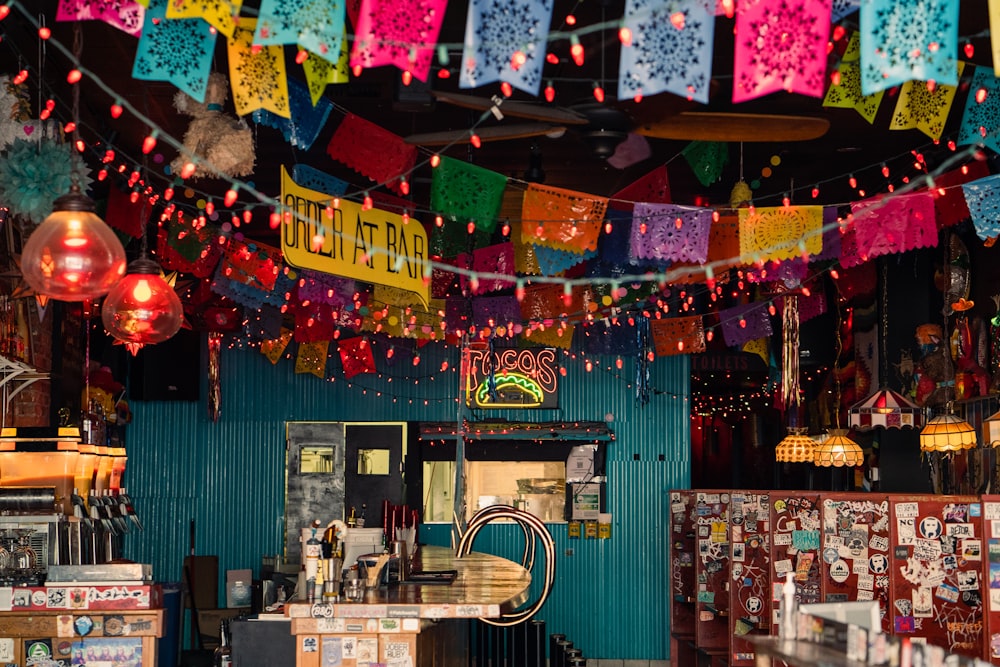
<point x="373" y="470"/>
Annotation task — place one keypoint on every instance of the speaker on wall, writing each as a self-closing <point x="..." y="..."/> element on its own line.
<point x="168" y="371"/>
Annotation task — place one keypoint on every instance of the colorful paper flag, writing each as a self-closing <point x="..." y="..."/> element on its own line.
<point x="780" y="232"/>
<point x="312" y="358"/>
<point x="919" y="107"/>
<point x="467" y="192"/>
<point x="678" y="335"/>
<point x="389" y="32"/>
<point x="223" y="14"/>
<point x="257" y="75"/>
<point x="896" y="39"/>
<point x="497" y="29"/>
<point x="780" y="46"/>
<point x="669" y="232"/>
<point x="126" y="15"/>
<point x="981" y="116"/>
<point x="983" y="199"/>
<point x="372" y="151"/>
<point x="315" y="25"/>
<point x="561" y="219"/>
<point x="895" y="224"/>
<point x="176" y="50"/>
<point x="847" y="93"/>
<point x="670" y="51"/>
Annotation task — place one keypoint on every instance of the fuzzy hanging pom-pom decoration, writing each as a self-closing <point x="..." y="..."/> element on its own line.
<point x="741" y="195"/>
<point x="223" y="145"/>
<point x="34" y="173"/>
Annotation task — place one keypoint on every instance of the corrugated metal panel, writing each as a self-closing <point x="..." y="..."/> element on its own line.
<point x="229" y="477"/>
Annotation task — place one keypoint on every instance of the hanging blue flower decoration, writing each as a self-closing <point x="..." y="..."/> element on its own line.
<point x="34" y="173"/>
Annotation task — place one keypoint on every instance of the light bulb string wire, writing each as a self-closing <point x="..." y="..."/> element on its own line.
<point x="967" y="153"/>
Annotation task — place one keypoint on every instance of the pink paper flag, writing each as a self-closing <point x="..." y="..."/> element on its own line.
<point x="126" y="15"/>
<point x="390" y="32"/>
<point x="895" y="224"/>
<point x="780" y="46"/>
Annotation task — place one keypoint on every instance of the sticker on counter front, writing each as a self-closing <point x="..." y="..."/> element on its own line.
<point x="782" y="539"/>
<point x="835" y="541"/>
<point x="946" y="592"/>
<point x="860" y="566"/>
<point x="707" y="597"/>
<point x="840" y="571"/>
<point x="972" y="550"/>
<point x="783" y="566"/>
<point x="927" y="549"/>
<point x="878" y="543"/>
<point x="805" y="540"/>
<point x="711" y="498"/>
<point x="6" y="649"/>
<point x="906" y="530"/>
<point x="830" y="555"/>
<point x="310" y="645"/>
<point x="995" y="528"/>
<point x="333" y="653"/>
<point x="330" y="624"/>
<point x="803" y="563"/>
<point x="904" y="624"/>
<point x="960" y="530"/>
<point x="995" y="599"/>
<point x="866" y="582"/>
<point x="991" y="511"/>
<point x="908" y="510"/>
<point x="396" y="650"/>
<point x="968" y="580"/>
<point x="923" y="603"/>
<point x="865" y="596"/>
<point x="931" y="528"/>
<point x="367" y="650"/>
<point x="878" y="563"/>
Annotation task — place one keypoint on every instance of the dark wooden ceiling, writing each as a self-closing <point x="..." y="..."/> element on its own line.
<point x="852" y="146"/>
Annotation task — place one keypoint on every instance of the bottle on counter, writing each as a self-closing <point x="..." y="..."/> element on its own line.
<point x="223" y="656"/>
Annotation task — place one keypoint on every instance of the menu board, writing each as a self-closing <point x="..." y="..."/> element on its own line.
<point x="936" y="587"/>
<point x="712" y="571"/>
<point x="683" y="550"/>
<point x="855" y="554"/>
<point x="795" y="526"/>
<point x="750" y="564"/>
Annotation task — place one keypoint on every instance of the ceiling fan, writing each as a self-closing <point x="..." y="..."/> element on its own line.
<point x="604" y="126"/>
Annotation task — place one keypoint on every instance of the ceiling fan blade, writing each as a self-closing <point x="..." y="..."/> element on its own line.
<point x="744" y="127"/>
<point x="529" y="110"/>
<point x="491" y="133"/>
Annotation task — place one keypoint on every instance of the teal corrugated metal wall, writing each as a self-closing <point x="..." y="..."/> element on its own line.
<point x="228" y="476"/>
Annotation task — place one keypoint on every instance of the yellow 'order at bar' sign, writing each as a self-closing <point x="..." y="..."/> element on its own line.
<point x="373" y="246"/>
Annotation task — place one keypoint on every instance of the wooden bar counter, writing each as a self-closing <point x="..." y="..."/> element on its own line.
<point x="410" y="624"/>
<point x="127" y="637"/>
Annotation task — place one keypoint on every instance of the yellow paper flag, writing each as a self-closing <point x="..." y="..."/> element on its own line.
<point x="758" y="347"/>
<point x="919" y="107"/>
<point x="847" y="94"/>
<point x="258" y="79"/>
<point x="222" y="14"/>
<point x="320" y="72"/>
<point x="776" y="232"/>
<point x="273" y="349"/>
<point x="552" y="336"/>
<point x="312" y="358"/>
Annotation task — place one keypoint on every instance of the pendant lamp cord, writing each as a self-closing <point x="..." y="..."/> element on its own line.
<point x="77" y="52"/>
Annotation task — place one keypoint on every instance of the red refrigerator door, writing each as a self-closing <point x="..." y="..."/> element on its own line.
<point x="937" y="591"/>
<point x="683" y="552"/>
<point x="855" y="554"/>
<point x="795" y="526"/>
<point x="712" y="572"/>
<point x="750" y="560"/>
<point x="991" y="573"/>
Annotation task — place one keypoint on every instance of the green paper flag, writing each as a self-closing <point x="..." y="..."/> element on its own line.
<point x="706" y="159"/>
<point x="467" y="192"/>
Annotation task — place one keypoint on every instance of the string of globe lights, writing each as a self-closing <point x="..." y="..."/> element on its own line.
<point x="659" y="277"/>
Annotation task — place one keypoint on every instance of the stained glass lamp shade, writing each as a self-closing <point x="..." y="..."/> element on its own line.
<point x="796" y="447"/>
<point x="947" y="433"/>
<point x="838" y="450"/>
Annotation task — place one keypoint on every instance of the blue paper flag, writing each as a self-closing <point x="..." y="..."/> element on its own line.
<point x="552" y="262"/>
<point x="314" y="179"/>
<point x="306" y="122"/>
<point x="175" y="50"/>
<point x="983" y="198"/>
<point x="981" y="120"/>
<point x="896" y="39"/>
<point x="842" y="8"/>
<point x="665" y="57"/>
<point x="315" y="25"/>
<point x="494" y="31"/>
